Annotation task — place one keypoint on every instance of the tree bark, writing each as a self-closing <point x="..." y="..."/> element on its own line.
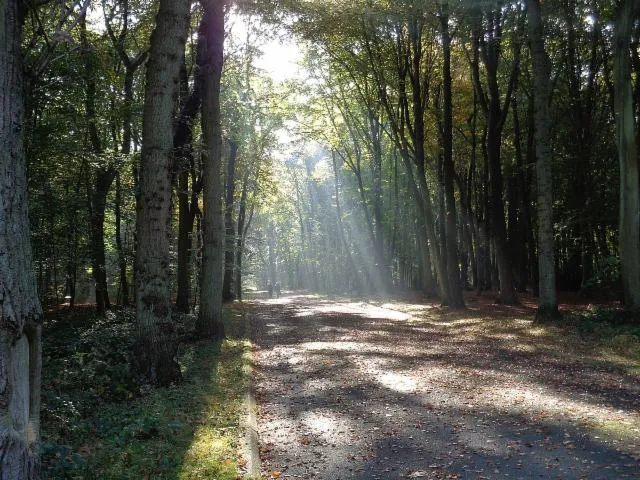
<point x="156" y="337"/>
<point x="456" y="299"/>
<point x="210" y="318"/>
<point x="20" y="310"/>
<point x="629" y="238"/>
<point x="547" y="299"/>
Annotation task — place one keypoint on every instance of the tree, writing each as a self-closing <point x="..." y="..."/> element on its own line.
<point x="131" y="64"/>
<point x="189" y="184"/>
<point x="20" y="310"/>
<point x="156" y="343"/>
<point x="211" y="278"/>
<point x="228" y="292"/>
<point x="488" y="38"/>
<point x="455" y="291"/>
<point x="547" y="301"/>
<point x="103" y="177"/>
<point x="629" y="235"/>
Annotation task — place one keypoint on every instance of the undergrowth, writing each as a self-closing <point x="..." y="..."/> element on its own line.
<point x="99" y="422"/>
<point x="615" y="328"/>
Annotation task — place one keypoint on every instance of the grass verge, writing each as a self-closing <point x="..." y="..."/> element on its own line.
<point x="98" y="423"/>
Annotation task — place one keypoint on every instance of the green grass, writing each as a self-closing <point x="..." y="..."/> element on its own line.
<point x="97" y="423"/>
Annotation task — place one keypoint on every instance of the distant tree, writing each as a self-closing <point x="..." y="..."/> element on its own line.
<point x="228" y="292"/>
<point x="131" y="63"/>
<point x="488" y="25"/>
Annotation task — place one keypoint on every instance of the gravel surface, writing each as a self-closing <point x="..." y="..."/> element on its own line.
<point x="349" y="389"/>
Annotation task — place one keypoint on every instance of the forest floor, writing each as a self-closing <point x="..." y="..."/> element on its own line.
<point x="99" y="421"/>
<point x="387" y="389"/>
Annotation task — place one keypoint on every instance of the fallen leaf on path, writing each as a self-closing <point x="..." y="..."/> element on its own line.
<point x="417" y="474"/>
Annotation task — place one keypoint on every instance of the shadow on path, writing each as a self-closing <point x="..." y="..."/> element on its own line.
<point x="353" y="390"/>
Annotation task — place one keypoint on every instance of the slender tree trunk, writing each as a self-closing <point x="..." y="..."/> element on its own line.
<point x="242" y="215"/>
<point x="188" y="195"/>
<point x="429" y="286"/>
<point x="495" y="115"/>
<point x="122" y="262"/>
<point x="526" y="182"/>
<point x="340" y="225"/>
<point x="156" y="337"/>
<point x="496" y="214"/>
<point x="102" y="184"/>
<point x="547" y="300"/>
<point x="456" y="299"/>
<point x="126" y="150"/>
<point x="104" y="177"/>
<point x="228" y="291"/>
<point x="210" y="318"/>
<point x="522" y="185"/>
<point x="376" y="170"/>
<point x="186" y="217"/>
<point x="20" y="310"/>
<point x="629" y="238"/>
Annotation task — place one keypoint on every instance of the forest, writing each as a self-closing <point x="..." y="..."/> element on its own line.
<point x="193" y="192"/>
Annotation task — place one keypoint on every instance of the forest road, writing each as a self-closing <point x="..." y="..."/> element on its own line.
<point x="355" y="390"/>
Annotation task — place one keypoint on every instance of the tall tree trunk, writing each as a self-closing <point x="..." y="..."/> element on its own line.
<point x="20" y="310"/>
<point x="130" y="66"/>
<point x="522" y="185"/>
<point x="242" y="215"/>
<point x="376" y="192"/>
<point x="185" y="229"/>
<point x="210" y="318"/>
<point x="343" y="238"/>
<point x="495" y="115"/>
<point x="456" y="299"/>
<point x="122" y="262"/>
<point x="102" y="183"/>
<point x="104" y="176"/>
<point x="188" y="195"/>
<point x="547" y="299"/>
<point x="429" y="287"/>
<point x="527" y="182"/>
<point x="422" y="188"/>
<point x="156" y="337"/>
<point x="629" y="238"/>
<point x="496" y="214"/>
<point x="228" y="292"/>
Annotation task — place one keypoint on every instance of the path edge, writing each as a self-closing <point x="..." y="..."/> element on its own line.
<point x="250" y="444"/>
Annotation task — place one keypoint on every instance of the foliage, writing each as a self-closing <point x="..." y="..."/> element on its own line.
<point x="616" y="328"/>
<point x="99" y="421"/>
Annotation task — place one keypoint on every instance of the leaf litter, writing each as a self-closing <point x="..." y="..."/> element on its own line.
<point x="409" y="390"/>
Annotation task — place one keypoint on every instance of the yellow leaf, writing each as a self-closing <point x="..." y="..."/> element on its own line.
<point x="275" y="474"/>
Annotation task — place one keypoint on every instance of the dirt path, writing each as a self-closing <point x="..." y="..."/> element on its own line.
<point x="355" y="390"/>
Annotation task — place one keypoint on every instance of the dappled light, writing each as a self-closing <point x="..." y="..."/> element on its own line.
<point x="319" y="239"/>
<point x="361" y="388"/>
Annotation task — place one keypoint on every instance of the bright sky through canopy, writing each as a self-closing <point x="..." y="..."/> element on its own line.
<point x="280" y="54"/>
